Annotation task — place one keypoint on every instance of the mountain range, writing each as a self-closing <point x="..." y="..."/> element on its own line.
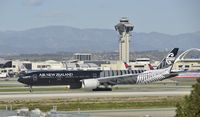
<point x="52" y="39"/>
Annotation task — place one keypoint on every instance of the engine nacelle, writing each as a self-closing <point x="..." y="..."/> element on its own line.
<point x="90" y="84"/>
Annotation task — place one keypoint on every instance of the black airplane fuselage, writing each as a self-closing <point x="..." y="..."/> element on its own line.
<point x="67" y="77"/>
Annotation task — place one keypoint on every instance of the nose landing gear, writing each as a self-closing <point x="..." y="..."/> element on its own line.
<point x="30" y="88"/>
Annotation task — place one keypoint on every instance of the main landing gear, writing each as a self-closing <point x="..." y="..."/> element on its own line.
<point x="102" y="89"/>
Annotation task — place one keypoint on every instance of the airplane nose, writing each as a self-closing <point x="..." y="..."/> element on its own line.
<point x="20" y="79"/>
<point x="24" y="80"/>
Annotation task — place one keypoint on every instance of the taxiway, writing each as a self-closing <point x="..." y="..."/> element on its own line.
<point x="89" y="94"/>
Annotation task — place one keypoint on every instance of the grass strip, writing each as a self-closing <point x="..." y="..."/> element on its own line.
<point x="66" y="104"/>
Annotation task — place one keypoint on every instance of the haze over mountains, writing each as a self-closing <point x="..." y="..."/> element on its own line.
<point x="53" y="39"/>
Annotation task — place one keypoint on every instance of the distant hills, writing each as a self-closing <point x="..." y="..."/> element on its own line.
<point x="53" y="39"/>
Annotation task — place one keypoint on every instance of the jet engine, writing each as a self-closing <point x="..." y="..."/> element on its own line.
<point x="90" y="84"/>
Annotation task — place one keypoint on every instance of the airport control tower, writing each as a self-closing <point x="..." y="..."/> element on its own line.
<point x="124" y="27"/>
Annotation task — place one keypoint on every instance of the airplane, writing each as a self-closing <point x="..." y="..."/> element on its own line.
<point x="98" y="80"/>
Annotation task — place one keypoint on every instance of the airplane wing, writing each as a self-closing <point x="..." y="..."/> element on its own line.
<point x="109" y="81"/>
<point x="141" y="78"/>
<point x="115" y="78"/>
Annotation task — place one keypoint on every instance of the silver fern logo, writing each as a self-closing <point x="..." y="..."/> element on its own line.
<point x="170" y="58"/>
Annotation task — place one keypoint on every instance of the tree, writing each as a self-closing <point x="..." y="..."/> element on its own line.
<point x="190" y="107"/>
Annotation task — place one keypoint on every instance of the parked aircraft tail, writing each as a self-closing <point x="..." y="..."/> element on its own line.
<point x="150" y="67"/>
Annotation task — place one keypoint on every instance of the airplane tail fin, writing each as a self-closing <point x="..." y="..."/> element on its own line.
<point x="169" y="59"/>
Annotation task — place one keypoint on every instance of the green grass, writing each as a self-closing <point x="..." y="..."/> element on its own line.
<point x="71" y="104"/>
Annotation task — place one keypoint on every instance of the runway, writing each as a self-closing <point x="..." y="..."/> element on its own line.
<point x="89" y="94"/>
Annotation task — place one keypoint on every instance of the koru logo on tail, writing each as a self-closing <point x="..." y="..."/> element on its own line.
<point x="170" y="58"/>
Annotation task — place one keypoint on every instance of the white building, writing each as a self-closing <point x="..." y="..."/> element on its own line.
<point x="188" y="60"/>
<point x="83" y="56"/>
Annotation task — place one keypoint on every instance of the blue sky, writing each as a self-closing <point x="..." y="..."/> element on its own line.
<point x="165" y="16"/>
